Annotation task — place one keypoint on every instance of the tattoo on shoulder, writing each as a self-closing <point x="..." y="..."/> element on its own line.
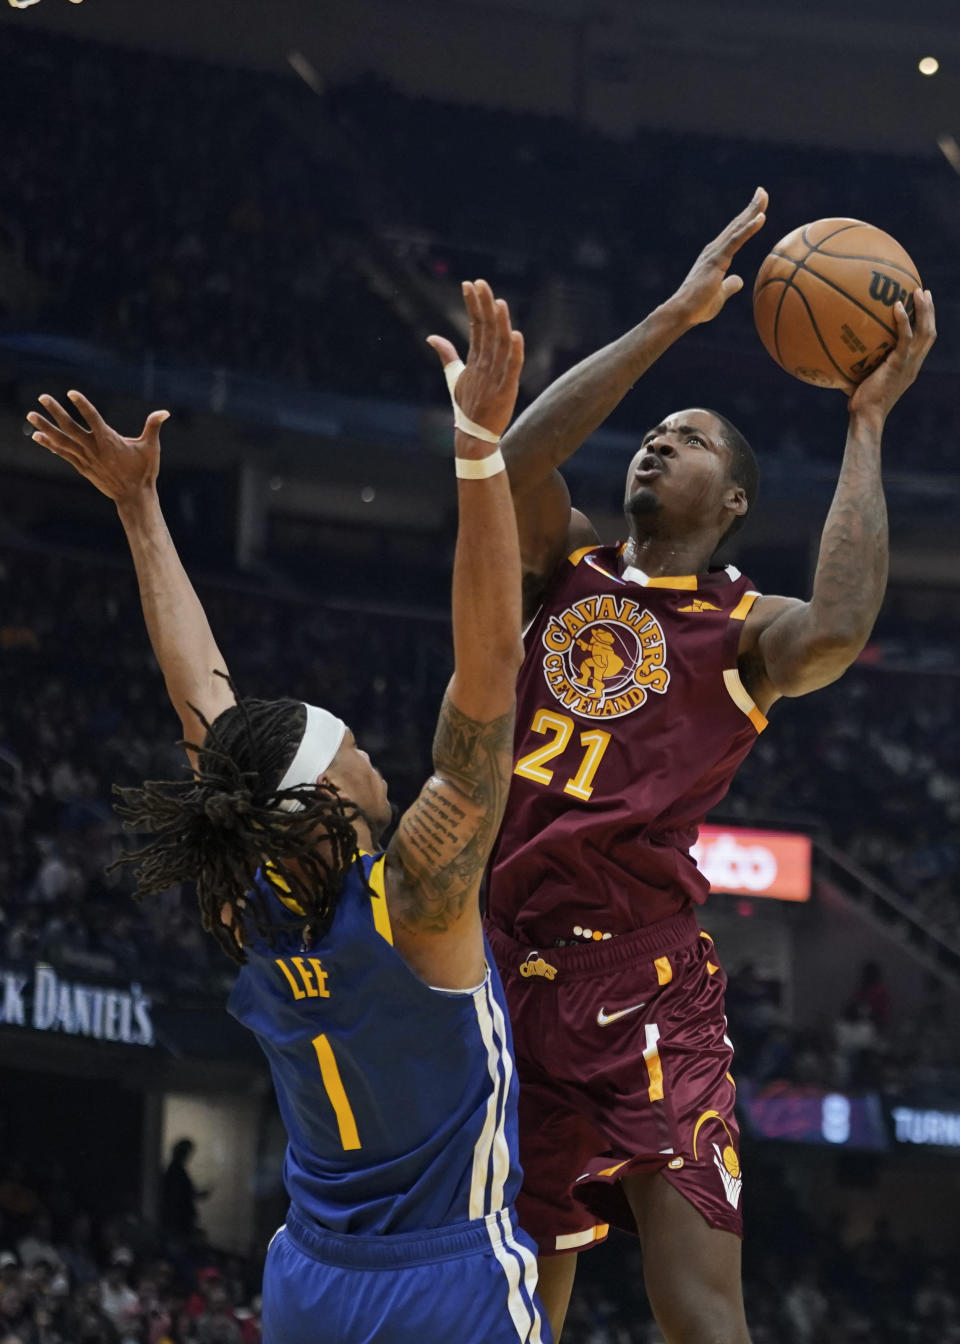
<point x="468" y="752"/>
<point x="438" y="854"/>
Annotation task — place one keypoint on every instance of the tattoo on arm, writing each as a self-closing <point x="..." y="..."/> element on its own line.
<point x="433" y="826"/>
<point x="851" y="570"/>
<point x="472" y="755"/>
<point x="811" y="644"/>
<point x="437" y="857"/>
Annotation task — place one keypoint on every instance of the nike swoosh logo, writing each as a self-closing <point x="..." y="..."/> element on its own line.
<point x="604" y="1017"/>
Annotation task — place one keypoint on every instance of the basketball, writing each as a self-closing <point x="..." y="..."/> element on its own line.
<point x="823" y="300"/>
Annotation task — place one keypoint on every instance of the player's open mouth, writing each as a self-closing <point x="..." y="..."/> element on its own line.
<point x="648" y="470"/>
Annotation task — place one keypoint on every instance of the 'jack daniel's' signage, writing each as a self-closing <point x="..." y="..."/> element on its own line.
<point x="47" y="1002"/>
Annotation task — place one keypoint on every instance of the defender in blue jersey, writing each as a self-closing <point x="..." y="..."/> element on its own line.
<point x="364" y="973"/>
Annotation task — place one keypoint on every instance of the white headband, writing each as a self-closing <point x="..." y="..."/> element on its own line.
<point x="318" y="746"/>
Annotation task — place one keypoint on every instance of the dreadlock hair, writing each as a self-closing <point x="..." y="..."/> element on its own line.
<point x="219" y="827"/>
<point x="744" y="470"/>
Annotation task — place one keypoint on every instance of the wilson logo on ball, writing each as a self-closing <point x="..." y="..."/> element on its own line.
<point x="886" y="289"/>
<point x="824" y="297"/>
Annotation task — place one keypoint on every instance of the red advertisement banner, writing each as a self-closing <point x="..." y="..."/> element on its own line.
<point x="754" y="863"/>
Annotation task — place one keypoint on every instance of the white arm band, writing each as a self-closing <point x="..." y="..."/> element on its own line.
<point x="452" y="374"/>
<point x="479" y="468"/>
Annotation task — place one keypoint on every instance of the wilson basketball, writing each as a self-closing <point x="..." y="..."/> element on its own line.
<point x="823" y="300"/>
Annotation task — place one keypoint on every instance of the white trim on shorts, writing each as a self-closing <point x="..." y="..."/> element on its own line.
<point x="491" y="1170"/>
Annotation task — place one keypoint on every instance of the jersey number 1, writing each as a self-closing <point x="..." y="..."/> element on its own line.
<point x="561" y="726"/>
<point x="333" y="1083"/>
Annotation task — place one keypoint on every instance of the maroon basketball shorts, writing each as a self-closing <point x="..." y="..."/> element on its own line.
<point x="624" y="1065"/>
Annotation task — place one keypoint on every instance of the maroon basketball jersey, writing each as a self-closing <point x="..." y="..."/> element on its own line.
<point x="631" y="722"/>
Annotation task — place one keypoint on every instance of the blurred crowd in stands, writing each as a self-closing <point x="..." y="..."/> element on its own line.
<point x="867" y="1047"/>
<point x="203" y="216"/>
<point x="82" y="707"/>
<point x="231" y="247"/>
<point x="804" y="1283"/>
<point x="68" y="1276"/>
<point x="870" y="762"/>
<point x="317" y="241"/>
<point x="873" y="761"/>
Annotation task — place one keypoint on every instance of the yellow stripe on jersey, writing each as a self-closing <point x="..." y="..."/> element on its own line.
<point x="655" y="1070"/>
<point x="709" y="1115"/>
<point x="687" y="582"/>
<point x="280" y="887"/>
<point x="742" y="609"/>
<point x="346" y="1124"/>
<point x="738" y="692"/>
<point x="757" y="719"/>
<point x="576" y="556"/>
<point x="610" y="1171"/>
<point x="664" y="970"/>
<point x="378" y="901"/>
<point x="571" y="1240"/>
<point x="742" y="698"/>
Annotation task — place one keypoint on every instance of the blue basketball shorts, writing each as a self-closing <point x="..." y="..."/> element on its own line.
<point x="475" y="1283"/>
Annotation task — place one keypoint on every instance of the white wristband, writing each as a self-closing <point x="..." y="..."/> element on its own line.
<point x="452" y="374"/>
<point x="479" y="468"/>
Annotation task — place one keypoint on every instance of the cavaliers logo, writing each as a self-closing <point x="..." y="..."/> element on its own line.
<point x="725" y="1159"/>
<point x="534" y="964"/>
<point x="604" y="655"/>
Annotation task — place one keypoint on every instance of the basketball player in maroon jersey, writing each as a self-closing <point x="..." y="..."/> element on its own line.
<point x="647" y="678"/>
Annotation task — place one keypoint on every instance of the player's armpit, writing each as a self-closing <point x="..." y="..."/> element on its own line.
<point x="543" y="519"/>
<point x="782" y="651"/>
<point x="549" y="529"/>
<point x="437" y="856"/>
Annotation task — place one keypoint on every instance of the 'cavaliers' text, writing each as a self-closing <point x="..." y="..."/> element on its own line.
<point x="604" y="655"/>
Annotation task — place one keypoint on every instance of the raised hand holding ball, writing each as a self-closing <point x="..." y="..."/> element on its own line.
<point x="823" y="300"/>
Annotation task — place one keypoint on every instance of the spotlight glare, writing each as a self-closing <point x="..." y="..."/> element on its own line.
<point x="929" y="65"/>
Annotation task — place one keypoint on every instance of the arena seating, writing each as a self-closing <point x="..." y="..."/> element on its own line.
<point x="271" y="275"/>
<point x="108" y="1276"/>
<point x="82" y="707"/>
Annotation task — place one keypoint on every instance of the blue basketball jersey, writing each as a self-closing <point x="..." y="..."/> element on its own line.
<point x="399" y="1100"/>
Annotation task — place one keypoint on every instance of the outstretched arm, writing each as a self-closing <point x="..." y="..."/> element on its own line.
<point x="569" y="411"/>
<point x="437" y="856"/>
<point x="125" y="470"/>
<point x="791" y="647"/>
